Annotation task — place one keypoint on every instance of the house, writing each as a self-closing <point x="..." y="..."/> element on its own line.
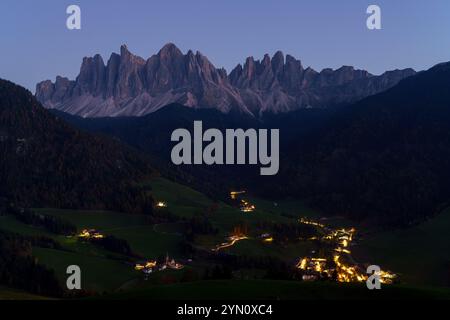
<point x="90" y="234"/>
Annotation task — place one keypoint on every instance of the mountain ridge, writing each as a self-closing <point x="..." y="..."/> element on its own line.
<point x="47" y="163"/>
<point x="128" y="85"/>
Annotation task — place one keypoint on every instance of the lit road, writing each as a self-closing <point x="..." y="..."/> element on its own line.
<point x="232" y="242"/>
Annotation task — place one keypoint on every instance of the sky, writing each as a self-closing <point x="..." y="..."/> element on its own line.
<point x="36" y="44"/>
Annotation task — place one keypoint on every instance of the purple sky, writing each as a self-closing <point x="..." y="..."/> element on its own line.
<point x="322" y="33"/>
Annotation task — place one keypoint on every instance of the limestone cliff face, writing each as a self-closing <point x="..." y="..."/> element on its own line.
<point x="131" y="86"/>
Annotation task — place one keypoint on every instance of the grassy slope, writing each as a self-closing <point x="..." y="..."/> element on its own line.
<point x="14" y="294"/>
<point x="265" y="289"/>
<point x="421" y="253"/>
<point x="9" y="223"/>
<point x="142" y="237"/>
<point x="184" y="201"/>
<point x="100" y="272"/>
<point x="394" y="250"/>
<point x="290" y="253"/>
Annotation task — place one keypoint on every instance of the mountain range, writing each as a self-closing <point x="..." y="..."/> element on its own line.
<point x="128" y="85"/>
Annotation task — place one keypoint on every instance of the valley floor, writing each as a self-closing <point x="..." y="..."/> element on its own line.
<point x="419" y="255"/>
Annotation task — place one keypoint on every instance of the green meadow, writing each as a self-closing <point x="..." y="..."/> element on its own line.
<point x="272" y="289"/>
<point x="421" y="254"/>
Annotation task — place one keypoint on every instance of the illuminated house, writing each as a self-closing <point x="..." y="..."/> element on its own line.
<point x="266" y="237"/>
<point x="172" y="264"/>
<point x="161" y="204"/>
<point x="90" y="234"/>
<point x="246" y="206"/>
<point x="234" y="194"/>
<point x="145" y="267"/>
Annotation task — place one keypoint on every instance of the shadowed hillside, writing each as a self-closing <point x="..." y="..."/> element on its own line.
<point x="45" y="162"/>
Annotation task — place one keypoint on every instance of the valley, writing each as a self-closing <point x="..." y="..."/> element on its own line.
<point x="253" y="256"/>
<point x="357" y="185"/>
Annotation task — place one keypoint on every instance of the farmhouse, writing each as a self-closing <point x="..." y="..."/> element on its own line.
<point x="90" y="234"/>
<point x="161" y="204"/>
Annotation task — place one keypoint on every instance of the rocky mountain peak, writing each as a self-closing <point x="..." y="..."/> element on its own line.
<point x="170" y="51"/>
<point x="266" y="61"/>
<point x="129" y="85"/>
<point x="278" y="61"/>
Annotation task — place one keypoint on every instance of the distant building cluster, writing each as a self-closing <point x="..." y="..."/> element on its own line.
<point x="152" y="266"/>
<point x="90" y="234"/>
<point x="311" y="222"/>
<point x="313" y="268"/>
<point x="244" y="205"/>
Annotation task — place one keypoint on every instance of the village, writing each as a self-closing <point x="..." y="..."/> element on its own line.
<point x="340" y="266"/>
<point x="337" y="265"/>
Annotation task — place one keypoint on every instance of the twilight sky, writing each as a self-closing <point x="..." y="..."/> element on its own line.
<point x="36" y="45"/>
